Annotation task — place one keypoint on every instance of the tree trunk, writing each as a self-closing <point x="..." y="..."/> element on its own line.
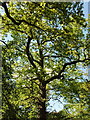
<point x="43" y="112"/>
<point x="42" y="108"/>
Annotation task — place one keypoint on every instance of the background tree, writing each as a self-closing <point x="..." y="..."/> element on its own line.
<point x="8" y="86"/>
<point x="47" y="45"/>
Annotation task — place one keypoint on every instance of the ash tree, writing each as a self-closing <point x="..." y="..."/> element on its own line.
<point x="47" y="44"/>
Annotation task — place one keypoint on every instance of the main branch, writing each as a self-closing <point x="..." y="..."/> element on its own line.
<point x="30" y="58"/>
<point x="19" y="21"/>
<point x="63" y="69"/>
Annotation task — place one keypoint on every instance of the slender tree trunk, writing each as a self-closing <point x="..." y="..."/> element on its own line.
<point x="42" y="108"/>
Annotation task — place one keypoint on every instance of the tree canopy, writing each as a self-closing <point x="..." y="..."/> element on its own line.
<point x="44" y="49"/>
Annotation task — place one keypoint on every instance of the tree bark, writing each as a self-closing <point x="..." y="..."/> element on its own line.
<point x="42" y="105"/>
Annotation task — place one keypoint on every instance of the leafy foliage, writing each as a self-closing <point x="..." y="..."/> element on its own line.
<point x="43" y="56"/>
